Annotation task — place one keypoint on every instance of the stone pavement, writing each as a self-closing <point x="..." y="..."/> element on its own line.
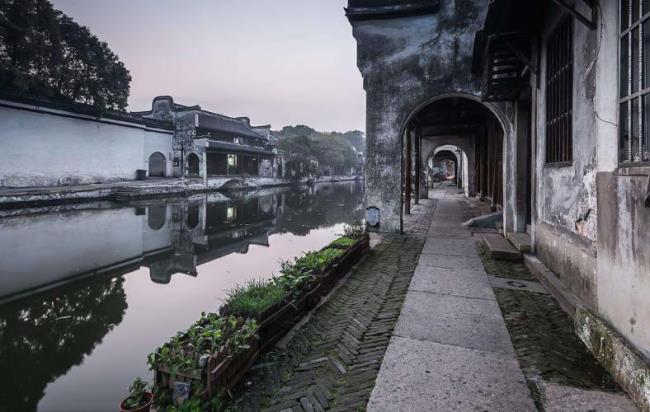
<point x="332" y="360"/>
<point x="451" y="349"/>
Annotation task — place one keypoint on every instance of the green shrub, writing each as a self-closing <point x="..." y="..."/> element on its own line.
<point x="252" y="299"/>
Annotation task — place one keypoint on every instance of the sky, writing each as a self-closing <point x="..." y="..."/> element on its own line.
<point x="279" y="62"/>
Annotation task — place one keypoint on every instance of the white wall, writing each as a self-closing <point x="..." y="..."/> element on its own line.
<point x="44" y="149"/>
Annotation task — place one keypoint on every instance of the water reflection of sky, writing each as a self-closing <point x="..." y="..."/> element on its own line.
<point x="126" y="318"/>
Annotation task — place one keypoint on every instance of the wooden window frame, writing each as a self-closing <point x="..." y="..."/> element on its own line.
<point x="559" y="93"/>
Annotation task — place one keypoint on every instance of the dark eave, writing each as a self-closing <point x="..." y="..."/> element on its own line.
<point x="502" y="53"/>
<point x="221" y="123"/>
<point x="361" y="10"/>
<point x="215" y="145"/>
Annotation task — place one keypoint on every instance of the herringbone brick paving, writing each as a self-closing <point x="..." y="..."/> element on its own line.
<point x="331" y="363"/>
<point x="543" y="334"/>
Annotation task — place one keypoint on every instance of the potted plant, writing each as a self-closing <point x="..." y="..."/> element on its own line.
<point x="139" y="399"/>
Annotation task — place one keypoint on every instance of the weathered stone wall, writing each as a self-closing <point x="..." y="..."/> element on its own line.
<point x="406" y="63"/>
<point x="45" y="147"/>
<point x="623" y="275"/>
<point x="566" y="231"/>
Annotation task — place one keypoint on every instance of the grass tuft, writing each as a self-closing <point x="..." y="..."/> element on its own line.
<point x="253" y="298"/>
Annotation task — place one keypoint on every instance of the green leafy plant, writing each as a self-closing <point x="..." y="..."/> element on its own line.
<point x="318" y="260"/>
<point x="206" y="336"/>
<point x="255" y="297"/>
<point x="343" y="243"/>
<point x="137" y="391"/>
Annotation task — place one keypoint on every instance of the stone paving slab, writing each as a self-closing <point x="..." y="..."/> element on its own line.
<point x="451" y="262"/>
<point x="561" y="398"/>
<point x="448" y="232"/>
<point x="471" y="283"/>
<point x="420" y="375"/>
<point x="454" y="320"/>
<point x="450" y="247"/>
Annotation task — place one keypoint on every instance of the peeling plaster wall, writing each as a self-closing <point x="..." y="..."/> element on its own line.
<point x="624" y="256"/>
<point x="566" y="195"/>
<point x="623" y="268"/>
<point x="405" y="63"/>
<point x="43" y="149"/>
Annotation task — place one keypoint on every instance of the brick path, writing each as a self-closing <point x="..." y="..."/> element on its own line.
<point x="331" y="363"/>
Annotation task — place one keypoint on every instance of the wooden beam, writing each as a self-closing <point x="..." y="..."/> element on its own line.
<point x="407" y="172"/>
<point x="417" y="164"/>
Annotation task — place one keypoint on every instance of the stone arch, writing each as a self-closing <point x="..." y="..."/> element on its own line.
<point x="193" y="165"/>
<point x="497" y="110"/>
<point x="458" y="119"/>
<point x="157" y="165"/>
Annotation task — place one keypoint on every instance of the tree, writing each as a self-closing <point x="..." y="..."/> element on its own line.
<point x="330" y="149"/>
<point x="45" y="53"/>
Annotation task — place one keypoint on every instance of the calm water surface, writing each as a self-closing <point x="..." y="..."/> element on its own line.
<point x="85" y="295"/>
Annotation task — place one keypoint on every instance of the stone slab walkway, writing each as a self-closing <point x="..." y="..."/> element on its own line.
<point x="450" y="349"/>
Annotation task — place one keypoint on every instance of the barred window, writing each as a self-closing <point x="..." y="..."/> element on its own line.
<point x="559" y="93"/>
<point x="634" y="103"/>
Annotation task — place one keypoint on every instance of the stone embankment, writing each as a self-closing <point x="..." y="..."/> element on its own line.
<point x="131" y="190"/>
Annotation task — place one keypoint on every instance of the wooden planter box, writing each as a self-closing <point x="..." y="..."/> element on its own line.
<point x="223" y="370"/>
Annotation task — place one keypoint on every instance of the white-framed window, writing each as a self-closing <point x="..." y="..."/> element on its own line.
<point x="634" y="86"/>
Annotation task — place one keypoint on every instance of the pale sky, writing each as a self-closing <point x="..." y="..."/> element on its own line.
<point x="279" y="62"/>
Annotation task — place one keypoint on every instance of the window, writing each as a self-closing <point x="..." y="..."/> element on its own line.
<point x="559" y="93"/>
<point x="634" y="103"/>
<point x="237" y="140"/>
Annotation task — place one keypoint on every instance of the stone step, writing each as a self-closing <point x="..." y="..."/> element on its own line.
<point x="499" y="248"/>
<point x="521" y="241"/>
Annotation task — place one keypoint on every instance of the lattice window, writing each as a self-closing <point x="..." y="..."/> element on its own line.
<point x="634" y="109"/>
<point x="559" y="93"/>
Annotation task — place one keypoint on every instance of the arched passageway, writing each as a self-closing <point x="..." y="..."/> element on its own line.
<point x="193" y="163"/>
<point x="474" y="131"/>
<point x="442" y="166"/>
<point x="157" y="165"/>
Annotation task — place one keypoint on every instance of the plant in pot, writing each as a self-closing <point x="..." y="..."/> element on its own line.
<point x="139" y="399"/>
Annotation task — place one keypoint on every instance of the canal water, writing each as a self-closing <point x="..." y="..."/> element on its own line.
<point x="87" y="292"/>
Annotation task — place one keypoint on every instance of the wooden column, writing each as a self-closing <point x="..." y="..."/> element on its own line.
<point x="418" y="164"/>
<point x="407" y="173"/>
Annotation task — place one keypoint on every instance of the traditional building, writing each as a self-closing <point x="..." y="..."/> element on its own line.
<point x="208" y="144"/>
<point x="549" y="105"/>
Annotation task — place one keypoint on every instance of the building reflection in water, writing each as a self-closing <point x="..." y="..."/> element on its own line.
<point x="61" y="285"/>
